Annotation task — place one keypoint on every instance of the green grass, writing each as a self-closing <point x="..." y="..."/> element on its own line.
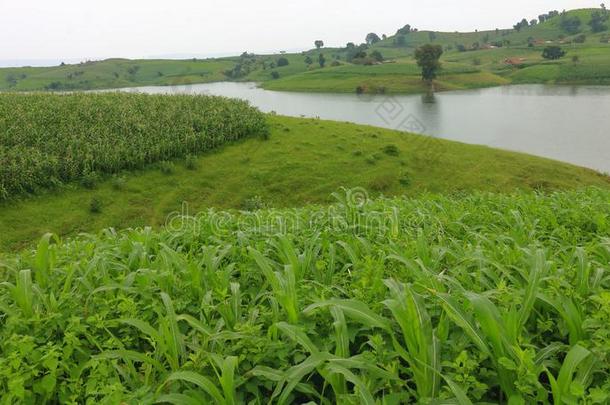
<point x="114" y="73"/>
<point x="485" y="298"/>
<point x="304" y="161"/>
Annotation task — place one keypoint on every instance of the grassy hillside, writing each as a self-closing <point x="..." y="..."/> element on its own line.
<point x="114" y="73"/>
<point x="477" y="299"/>
<point x="303" y="161"/>
<point x="462" y="70"/>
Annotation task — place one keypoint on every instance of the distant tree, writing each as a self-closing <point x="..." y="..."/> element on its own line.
<point x="553" y="52"/>
<point x="407" y="29"/>
<point x="598" y="21"/>
<point x="571" y="25"/>
<point x="460" y="47"/>
<point x="308" y="60"/>
<point x="533" y="22"/>
<point x="62" y="64"/>
<point x="428" y="58"/>
<point x="322" y="60"/>
<point x="372" y="38"/>
<point x="384" y="37"/>
<point x="319" y="44"/>
<point x="377" y="56"/>
<point x="431" y="36"/>
<point x="580" y="39"/>
<point x="521" y="24"/>
<point x="497" y="31"/>
<point x="282" y="62"/>
<point x="350" y="45"/>
<point x="275" y="75"/>
<point x="542" y="18"/>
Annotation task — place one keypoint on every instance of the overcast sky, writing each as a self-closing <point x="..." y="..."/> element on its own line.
<point x="80" y="29"/>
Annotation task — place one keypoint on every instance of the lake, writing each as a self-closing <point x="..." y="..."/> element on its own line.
<point x="568" y="123"/>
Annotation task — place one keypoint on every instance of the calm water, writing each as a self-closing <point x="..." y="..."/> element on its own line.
<point x="564" y="123"/>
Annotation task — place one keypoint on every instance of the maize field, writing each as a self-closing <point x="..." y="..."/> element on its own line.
<point x="50" y="139"/>
<point x="484" y="298"/>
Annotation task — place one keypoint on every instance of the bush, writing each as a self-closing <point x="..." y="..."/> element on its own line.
<point x="275" y="75"/>
<point x="89" y="179"/>
<point x="282" y="62"/>
<point x="553" y="52"/>
<point x="190" y="162"/>
<point x="253" y="204"/>
<point x="580" y="39"/>
<point x="118" y="182"/>
<point x="95" y="206"/>
<point x="166" y="167"/>
<point x="391" y="150"/>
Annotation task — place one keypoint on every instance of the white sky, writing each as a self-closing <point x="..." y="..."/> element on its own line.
<point x="80" y="29"/>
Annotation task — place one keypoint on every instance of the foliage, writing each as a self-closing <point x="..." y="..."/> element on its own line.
<point x="428" y="58"/>
<point x="598" y="21"/>
<point x="48" y="139"/>
<point x="372" y="38"/>
<point x="570" y="24"/>
<point x="553" y="52"/>
<point x="484" y="298"/>
<point x="319" y="44"/>
<point x="282" y="62"/>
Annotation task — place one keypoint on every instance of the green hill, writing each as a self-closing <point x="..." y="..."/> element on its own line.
<point x="481" y="63"/>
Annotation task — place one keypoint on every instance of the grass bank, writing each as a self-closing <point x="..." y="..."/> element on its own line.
<point x="303" y="161"/>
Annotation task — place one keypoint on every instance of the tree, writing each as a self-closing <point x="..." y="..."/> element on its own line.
<point x="377" y="56"/>
<point x="404" y="30"/>
<point x="533" y="22"/>
<point x="521" y="24"/>
<point x="571" y="25"/>
<point x="580" y="39"/>
<point x="350" y="45"/>
<point x="275" y="75"/>
<point x="372" y="38"/>
<point x="553" y="52"/>
<point x="308" y="60"/>
<point x="384" y="36"/>
<point x="319" y="44"/>
<point x="428" y="58"/>
<point x="598" y="21"/>
<point x="322" y="60"/>
<point x="282" y="62"/>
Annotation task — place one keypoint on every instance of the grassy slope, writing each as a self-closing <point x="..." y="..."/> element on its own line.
<point x="115" y="73"/>
<point x="303" y="162"/>
<point x="484" y="68"/>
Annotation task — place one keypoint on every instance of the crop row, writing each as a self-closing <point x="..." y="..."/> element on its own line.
<point x="49" y="139"/>
<point x="484" y="298"/>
